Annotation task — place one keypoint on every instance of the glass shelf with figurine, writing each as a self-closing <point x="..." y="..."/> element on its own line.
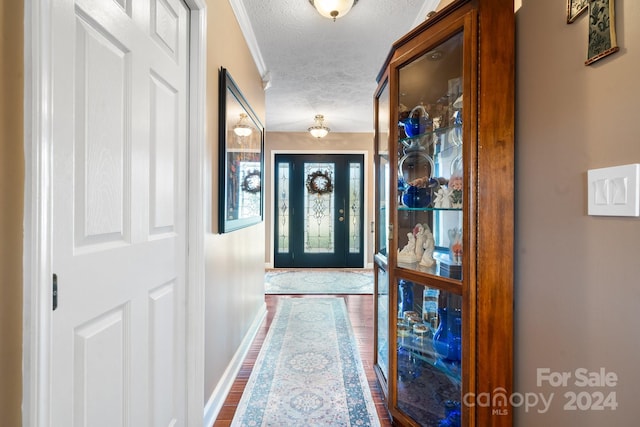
<point x="433" y="242"/>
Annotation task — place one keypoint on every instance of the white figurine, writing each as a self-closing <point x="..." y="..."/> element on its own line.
<point x="410" y="247"/>
<point x="429" y="246"/>
<point x="418" y="230"/>
<point x="443" y="198"/>
<point x="408" y="253"/>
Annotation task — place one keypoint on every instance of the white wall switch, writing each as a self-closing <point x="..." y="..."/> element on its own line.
<point x="614" y="191"/>
<point x="601" y="192"/>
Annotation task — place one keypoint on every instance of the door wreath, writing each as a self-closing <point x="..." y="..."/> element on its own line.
<point x="252" y="182"/>
<point x="319" y="182"/>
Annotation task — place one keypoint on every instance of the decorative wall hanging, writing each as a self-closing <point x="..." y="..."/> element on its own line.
<point x="575" y="8"/>
<point x="241" y="159"/>
<point x="602" y="31"/>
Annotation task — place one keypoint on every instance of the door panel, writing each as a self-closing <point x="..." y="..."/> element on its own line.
<point x="319" y="218"/>
<point x="120" y="79"/>
<point x="100" y="351"/>
<point x="103" y="84"/>
<point x="165" y="122"/>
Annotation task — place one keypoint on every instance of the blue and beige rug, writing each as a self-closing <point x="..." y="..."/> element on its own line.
<point x="278" y="282"/>
<point x="308" y="372"/>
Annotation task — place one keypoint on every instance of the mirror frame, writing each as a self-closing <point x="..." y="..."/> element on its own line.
<point x="232" y="103"/>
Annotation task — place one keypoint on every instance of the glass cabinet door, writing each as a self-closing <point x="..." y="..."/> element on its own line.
<point x="430" y="161"/>
<point x="429" y="354"/>
<point x="382" y="168"/>
<point x="427" y="297"/>
<point x="381" y="357"/>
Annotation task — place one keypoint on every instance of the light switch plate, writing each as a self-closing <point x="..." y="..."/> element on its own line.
<point x="614" y="191"/>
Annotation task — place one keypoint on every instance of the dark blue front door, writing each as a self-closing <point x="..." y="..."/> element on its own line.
<point x="319" y="210"/>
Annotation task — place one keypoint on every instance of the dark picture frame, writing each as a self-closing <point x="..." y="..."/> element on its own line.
<point x="241" y="159"/>
<point x="576" y="8"/>
<point x="602" y="30"/>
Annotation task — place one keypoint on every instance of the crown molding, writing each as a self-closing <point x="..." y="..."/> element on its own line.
<point x="250" y="37"/>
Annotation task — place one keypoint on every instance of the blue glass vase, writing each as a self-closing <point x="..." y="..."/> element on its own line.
<point x="416" y="197"/>
<point x="405" y="302"/>
<point x="451" y="414"/>
<point x="447" y="339"/>
<point x="417" y="123"/>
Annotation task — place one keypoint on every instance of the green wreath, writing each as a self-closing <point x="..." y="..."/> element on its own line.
<point x="252" y="181"/>
<point x="319" y="182"/>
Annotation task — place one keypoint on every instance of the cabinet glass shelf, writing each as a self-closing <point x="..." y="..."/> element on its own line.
<point x="428" y="209"/>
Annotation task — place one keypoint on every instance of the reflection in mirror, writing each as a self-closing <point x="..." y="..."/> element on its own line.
<point x="241" y="159"/>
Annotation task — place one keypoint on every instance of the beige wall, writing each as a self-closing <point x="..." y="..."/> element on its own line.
<point x="334" y="143"/>
<point x="11" y="201"/>
<point x="234" y="266"/>
<point x="577" y="276"/>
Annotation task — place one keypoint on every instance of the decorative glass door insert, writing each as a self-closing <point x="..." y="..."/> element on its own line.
<point x="319" y="202"/>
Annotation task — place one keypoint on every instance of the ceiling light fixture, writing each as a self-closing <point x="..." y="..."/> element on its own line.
<point x="319" y="130"/>
<point x="333" y="9"/>
<point x="242" y="128"/>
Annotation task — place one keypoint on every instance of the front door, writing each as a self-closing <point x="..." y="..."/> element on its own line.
<point x="318" y="210"/>
<point x="119" y="138"/>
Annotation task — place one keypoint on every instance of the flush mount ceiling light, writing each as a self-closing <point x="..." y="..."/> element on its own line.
<point x="434" y="55"/>
<point x="319" y="130"/>
<point x="242" y="128"/>
<point x="333" y="9"/>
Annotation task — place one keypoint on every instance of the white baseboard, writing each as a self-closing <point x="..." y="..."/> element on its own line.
<point x="217" y="398"/>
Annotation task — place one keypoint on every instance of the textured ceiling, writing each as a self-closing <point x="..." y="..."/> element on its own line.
<point x="312" y="65"/>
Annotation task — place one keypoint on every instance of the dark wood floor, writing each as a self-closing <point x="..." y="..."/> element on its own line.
<point x="360" y="308"/>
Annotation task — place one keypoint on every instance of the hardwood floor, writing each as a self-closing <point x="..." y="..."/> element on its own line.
<point x="360" y="308"/>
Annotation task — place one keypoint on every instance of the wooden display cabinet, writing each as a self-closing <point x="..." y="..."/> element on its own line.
<point x="444" y="114"/>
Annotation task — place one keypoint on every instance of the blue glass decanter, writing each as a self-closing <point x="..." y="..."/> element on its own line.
<point x="447" y="339"/>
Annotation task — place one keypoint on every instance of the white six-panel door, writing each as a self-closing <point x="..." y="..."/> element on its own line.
<point x="119" y="138"/>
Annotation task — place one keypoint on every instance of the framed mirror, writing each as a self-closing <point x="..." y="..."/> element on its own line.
<point x="241" y="159"/>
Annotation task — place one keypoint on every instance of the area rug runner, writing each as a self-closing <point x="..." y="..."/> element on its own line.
<point x="308" y="372"/>
<point x="318" y="282"/>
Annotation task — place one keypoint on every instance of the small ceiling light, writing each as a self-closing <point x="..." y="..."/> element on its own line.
<point x="333" y="9"/>
<point x="242" y="128"/>
<point x="434" y="55"/>
<point x="319" y="130"/>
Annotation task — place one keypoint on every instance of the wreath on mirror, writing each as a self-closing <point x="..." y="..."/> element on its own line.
<point x="252" y="182"/>
<point x="319" y="182"/>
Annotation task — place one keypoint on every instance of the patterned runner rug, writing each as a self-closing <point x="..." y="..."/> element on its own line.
<point x="318" y="282"/>
<point x="308" y="372"/>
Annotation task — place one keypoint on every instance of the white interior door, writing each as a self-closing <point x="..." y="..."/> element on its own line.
<point x="119" y="137"/>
